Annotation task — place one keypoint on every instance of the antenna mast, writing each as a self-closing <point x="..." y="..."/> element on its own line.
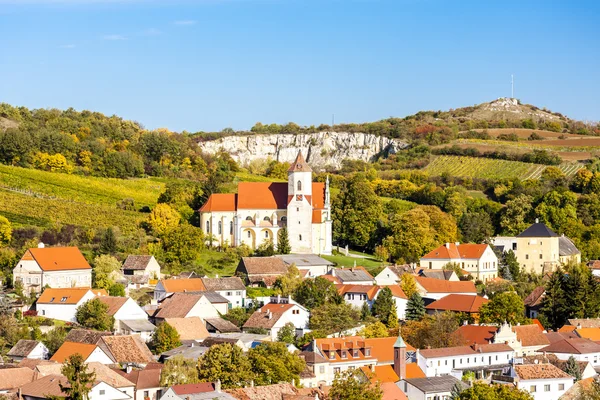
<point x="512" y="86"/>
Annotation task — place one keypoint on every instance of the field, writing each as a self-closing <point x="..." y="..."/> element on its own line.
<point x="486" y="168"/>
<point x="363" y="260"/>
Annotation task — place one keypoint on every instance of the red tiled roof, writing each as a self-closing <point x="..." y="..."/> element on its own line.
<point x="396" y="291"/>
<point x="572" y="346"/>
<point x="262" y="195"/>
<point x="531" y="335"/>
<point x="192" y="388"/>
<point x="69" y="348"/>
<point x="71" y="295"/>
<point x="459" y="303"/>
<point x="382" y="373"/>
<point x="114" y="303"/>
<point x="370" y="291"/>
<point x="267" y="315"/>
<point x="443" y="286"/>
<point x="414" y="371"/>
<point x="183" y="285"/>
<point x="535" y="297"/>
<point x="220" y="202"/>
<point x="11" y="378"/>
<point x="299" y="164"/>
<point x="451" y="250"/>
<point x="480" y="334"/>
<point x="57" y="258"/>
<point x="391" y="391"/>
<point x="540" y="371"/>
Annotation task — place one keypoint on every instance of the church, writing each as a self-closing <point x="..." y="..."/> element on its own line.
<point x="258" y="211"/>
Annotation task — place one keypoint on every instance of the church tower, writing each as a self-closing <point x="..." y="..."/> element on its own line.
<point x="400" y="357"/>
<point x="299" y="209"/>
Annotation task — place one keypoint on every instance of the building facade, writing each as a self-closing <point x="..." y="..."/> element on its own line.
<point x="259" y="210"/>
<point x="477" y="259"/>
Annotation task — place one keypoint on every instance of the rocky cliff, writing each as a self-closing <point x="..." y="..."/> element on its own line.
<point x="320" y="149"/>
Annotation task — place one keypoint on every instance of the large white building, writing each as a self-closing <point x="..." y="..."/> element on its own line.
<point x="258" y="211"/>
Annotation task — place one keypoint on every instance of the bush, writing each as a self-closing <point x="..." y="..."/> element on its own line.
<point x="508" y="137"/>
<point x="535" y="136"/>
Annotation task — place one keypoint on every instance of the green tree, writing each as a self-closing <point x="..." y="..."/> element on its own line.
<point x="408" y="284"/>
<point x="228" y="363"/>
<point x="54" y="339"/>
<point x="79" y="378"/>
<point x="476" y="227"/>
<point x="237" y="315"/>
<point x="509" y="260"/>
<point x="265" y="249"/>
<point x="334" y="318"/>
<point x="572" y="368"/>
<point x="287" y="333"/>
<point x="365" y="311"/>
<point x="435" y="331"/>
<point x="178" y="371"/>
<point x="287" y="283"/>
<point x="349" y="385"/>
<point x="516" y="214"/>
<point x="273" y="363"/>
<point x="553" y="312"/>
<point x="182" y="245"/>
<point x="93" y="314"/>
<point x="384" y="308"/>
<point x="356" y="212"/>
<point x="105" y="271"/>
<point x="415" y="308"/>
<point x="557" y="209"/>
<point x="108" y="241"/>
<point x="162" y="219"/>
<point x="506" y="306"/>
<point x="164" y="338"/>
<point x="283" y="241"/>
<point x="5" y="230"/>
<point x="480" y="391"/>
<point x="375" y="330"/>
<point x="116" y="290"/>
<point x="312" y="293"/>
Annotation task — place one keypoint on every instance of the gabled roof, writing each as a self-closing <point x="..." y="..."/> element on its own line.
<point x="585" y="322"/>
<point x="414" y="371"/>
<point x="535" y="297"/>
<point x="436" y="384"/>
<point x="57" y="258"/>
<point x="147" y="378"/>
<point x="67" y="349"/>
<point x="222" y="325"/>
<point x="67" y="296"/>
<point x="262" y="195"/>
<point x="136" y="263"/>
<point x="86" y="336"/>
<point x="138" y="325"/>
<point x="369" y="291"/>
<point x="191" y="328"/>
<point x="299" y="164"/>
<point x="267" y="316"/>
<point x="572" y="346"/>
<point x="230" y="283"/>
<point x="304" y="260"/>
<point x="11" y="378"/>
<point x="44" y="387"/>
<point x="220" y="202"/>
<point x="107" y="375"/>
<point x="23" y="348"/>
<point x="128" y="349"/>
<point x="264" y="265"/>
<point x="530" y="335"/>
<point x="445" y="274"/>
<point x="114" y="303"/>
<point x="540" y="371"/>
<point x="442" y="286"/>
<point x="459" y="303"/>
<point x="555" y="337"/>
<point x="192" y="388"/>
<point x="391" y="391"/>
<point x="349" y="275"/>
<point x="480" y="334"/>
<point x="468" y="251"/>
<point x="538" y="230"/>
<point x="566" y="247"/>
<point x="182" y="285"/>
<point x="589" y="333"/>
<point x="178" y="305"/>
<point x="381" y="373"/>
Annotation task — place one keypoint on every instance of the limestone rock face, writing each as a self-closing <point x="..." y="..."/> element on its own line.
<point x="320" y="149"/>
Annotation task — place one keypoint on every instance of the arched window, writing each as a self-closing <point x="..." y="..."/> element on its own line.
<point x="299" y="186"/>
<point x="266" y="234"/>
<point x="267" y="219"/>
<point x="284" y="219"/>
<point x="231" y="227"/>
<point x="300" y="237"/>
<point x="248" y="218"/>
<point x="249" y="235"/>
<point x="207" y="226"/>
<point x="220" y="228"/>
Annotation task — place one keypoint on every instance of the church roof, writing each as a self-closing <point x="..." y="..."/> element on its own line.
<point x="299" y="165"/>
<point x="262" y="195"/>
<point x="538" y="230"/>
<point x="220" y="202"/>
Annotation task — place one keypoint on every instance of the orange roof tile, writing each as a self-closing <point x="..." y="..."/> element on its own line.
<point x="391" y="391"/>
<point x="396" y="291"/>
<point x="69" y="348"/>
<point x="262" y="195"/>
<point x="370" y="291"/>
<point x="220" y="202"/>
<point x="531" y="335"/>
<point x="382" y="373"/>
<point x="451" y="250"/>
<point x="317" y="216"/>
<point x="58" y="258"/>
<point x="414" y="371"/>
<point x="183" y="285"/>
<point x="442" y="286"/>
<point x="480" y="334"/>
<point x="458" y="302"/>
<point x="567" y="328"/>
<point x="70" y="295"/>
<point x="589" y="333"/>
<point x="318" y="196"/>
<point x="114" y="303"/>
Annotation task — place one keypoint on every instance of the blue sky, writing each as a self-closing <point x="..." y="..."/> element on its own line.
<point x="211" y="64"/>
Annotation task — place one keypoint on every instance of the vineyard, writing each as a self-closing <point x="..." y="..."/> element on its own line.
<point x="487" y="168"/>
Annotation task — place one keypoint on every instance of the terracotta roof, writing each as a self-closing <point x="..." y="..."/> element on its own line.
<point x="222" y="325"/>
<point x="267" y="316"/>
<point x="11" y="378"/>
<point x="128" y="349"/>
<point x="23" y="348"/>
<point x="107" y="375"/>
<point x="442" y="286"/>
<point x="33" y="363"/>
<point x="262" y="195"/>
<point x="382" y="373"/>
<point x="391" y="391"/>
<point x="67" y="349"/>
<point x="370" y="291"/>
<point x="192" y="388"/>
<point x="572" y="346"/>
<point x="540" y="371"/>
<point x="531" y="335"/>
<point x="535" y="297"/>
<point x="136" y="263"/>
<point x="414" y="371"/>
<point x="178" y="305"/>
<point x="459" y="303"/>
<point x="220" y="202"/>
<point x="182" y="285"/>
<point x="382" y="349"/>
<point x="86" y="336"/>
<point x="191" y="328"/>
<point x="468" y="251"/>
<point x="44" y="387"/>
<point x="312" y="357"/>
<point x="538" y="230"/>
<point x="396" y="291"/>
<point x="147" y="378"/>
<point x="331" y="278"/>
<point x="554" y="337"/>
<point x="270" y="392"/>
<point x="400" y="269"/>
<point x="114" y="303"/>
<point x="57" y="258"/>
<point x="480" y="334"/>
<point x="349" y="275"/>
<point x="70" y="295"/>
<point x="567" y="328"/>
<point x="264" y="265"/>
<point x="436" y="273"/>
<point x="594" y="264"/>
<point x="318" y="196"/>
<point x="299" y="164"/>
<point x="585" y="322"/>
<point x="216" y="284"/>
<point x="465" y="350"/>
<point x="589" y="333"/>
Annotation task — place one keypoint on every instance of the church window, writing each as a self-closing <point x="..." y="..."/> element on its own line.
<point x="249" y="235"/>
<point x="299" y="185"/>
<point x="207" y="226"/>
<point x="220" y="228"/>
<point x="248" y="218"/>
<point x="267" y="219"/>
<point x="231" y="227"/>
<point x="300" y="237"/>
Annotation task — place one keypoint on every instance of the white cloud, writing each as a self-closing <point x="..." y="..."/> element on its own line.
<point x="67" y="46"/>
<point x="151" y="32"/>
<point x="114" y="37"/>
<point x="186" y="22"/>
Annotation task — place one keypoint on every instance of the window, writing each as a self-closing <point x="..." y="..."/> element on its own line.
<point x="231" y="227"/>
<point x="300" y="237"/>
<point x="249" y="235"/>
<point x="446" y="362"/>
<point x="541" y="256"/>
<point x="344" y="354"/>
<point x="51" y="300"/>
<point x="146" y="394"/>
<point x="367" y="352"/>
<point x="207" y="226"/>
<point x="220" y="228"/>
<point x="229" y="294"/>
<point x="299" y="186"/>
<point x="268" y="219"/>
<point x="102" y="392"/>
<point x="266" y="234"/>
<point x="322" y="369"/>
<point x="332" y="355"/>
<point x="496" y="358"/>
<point x="248" y="218"/>
<point x="297" y="209"/>
<point x="439" y="363"/>
<point x="336" y="370"/>
<point x="430" y="265"/>
<point x="546" y="388"/>
<point x="62" y="300"/>
<point x="514" y="246"/>
<point x="43" y="312"/>
<point x="461" y="360"/>
<point x="561" y="386"/>
<point x="355" y="353"/>
<point x="527" y="256"/>
<point x="283" y="219"/>
<point x="532" y="388"/>
<point x="296" y="312"/>
<point x="238" y="293"/>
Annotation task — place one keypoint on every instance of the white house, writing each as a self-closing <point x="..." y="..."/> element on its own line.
<point x="309" y="265"/>
<point x="482" y="359"/>
<point x="429" y="388"/>
<point x="56" y="267"/>
<point x="167" y="287"/>
<point x="435" y="289"/>
<point x="146" y="381"/>
<point x="28" y="349"/>
<point x="352" y="276"/>
<point x="196" y="391"/>
<point x="89" y="352"/>
<point x="62" y="304"/>
<point x="140" y="271"/>
<point x="357" y="295"/>
<point x="542" y="381"/>
<point x="272" y="317"/>
<point x="392" y="274"/>
<point x="581" y="349"/>
<point x="524" y="339"/>
<point x="125" y="309"/>
<point x="232" y="288"/>
<point x="48" y="387"/>
<point x="184" y="305"/>
<point x="477" y="259"/>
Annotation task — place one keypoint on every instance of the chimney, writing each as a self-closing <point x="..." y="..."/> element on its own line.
<point x="41" y="245"/>
<point x="192" y="344"/>
<point x="252" y="383"/>
<point x="372" y="367"/>
<point x="466" y="322"/>
<point x="218" y="386"/>
<point x="269" y="315"/>
<point x="447" y="245"/>
<point x="128" y="368"/>
<point x="456" y="243"/>
<point x="278" y="299"/>
<point x="537" y="220"/>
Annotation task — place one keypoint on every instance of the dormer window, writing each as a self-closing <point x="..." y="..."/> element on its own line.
<point x="51" y="300"/>
<point x="344" y="354"/>
<point x="299" y="186"/>
<point x="332" y="355"/>
<point x="356" y="354"/>
<point x="62" y="300"/>
<point x="367" y="352"/>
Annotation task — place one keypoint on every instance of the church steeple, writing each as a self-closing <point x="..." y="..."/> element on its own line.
<point x="299" y="165"/>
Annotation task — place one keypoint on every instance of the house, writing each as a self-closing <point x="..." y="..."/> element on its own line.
<point x="140" y="327"/>
<point x="435" y="289"/>
<point x="317" y="365"/>
<point x="13" y="378"/>
<point x="533" y="302"/>
<point x="351" y="276"/>
<point x="260" y="209"/>
<point x="189" y="351"/>
<point x="477" y="259"/>
<point x="594" y="265"/>
<point x="460" y="303"/>
<point x="585" y="368"/>
<point x="483" y="359"/>
<point x="56" y="267"/>
<point x="126" y="309"/>
<point x="309" y="265"/>
<point x="48" y="387"/>
<point x="391" y="275"/>
<point x="261" y="271"/>
<point x="166" y="287"/>
<point x="428" y="388"/>
<point x="140" y="271"/>
<point x="580" y="349"/>
<point x="146" y="381"/>
<point x="530" y="339"/>
<point x="231" y="288"/>
<point x="476" y="334"/>
<point x="185" y="305"/>
<point x="28" y="349"/>
<point x="584" y="322"/>
<point x="86" y="336"/>
<point x="357" y="295"/>
<point x="542" y="381"/>
<point x="127" y="350"/>
<point x="62" y="304"/>
<point x="192" y="328"/>
<point x="220" y="325"/>
<point x="445" y="274"/>
<point x="196" y="391"/>
<point x="89" y="352"/>
<point x="272" y="317"/>
<point x="539" y="249"/>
